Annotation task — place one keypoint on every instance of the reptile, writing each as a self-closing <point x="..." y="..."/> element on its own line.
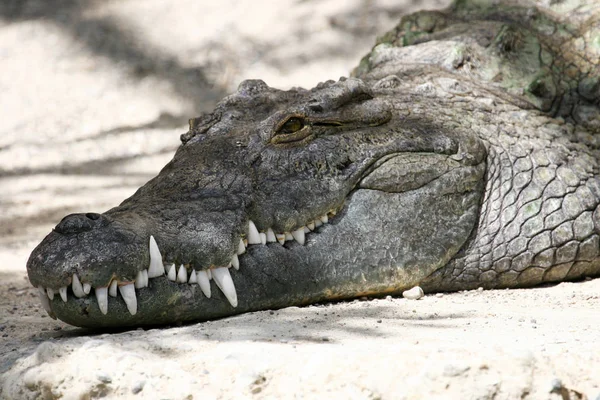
<point x="462" y="152"/>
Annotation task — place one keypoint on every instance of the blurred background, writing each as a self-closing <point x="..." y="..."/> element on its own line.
<point x="94" y="94"/>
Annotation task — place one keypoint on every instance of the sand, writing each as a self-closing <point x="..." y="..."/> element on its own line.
<point x="93" y="100"/>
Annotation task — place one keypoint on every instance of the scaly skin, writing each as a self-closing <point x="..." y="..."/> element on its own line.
<point x="462" y="157"/>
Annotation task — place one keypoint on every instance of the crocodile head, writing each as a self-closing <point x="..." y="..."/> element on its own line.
<point x="279" y="197"/>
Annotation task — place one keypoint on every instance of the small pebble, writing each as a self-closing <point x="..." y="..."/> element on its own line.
<point x="414" y="293"/>
<point x="104" y="377"/>
<point x="138" y="387"/>
<point x="555" y="386"/>
<point x="439" y="295"/>
<point x="453" y="370"/>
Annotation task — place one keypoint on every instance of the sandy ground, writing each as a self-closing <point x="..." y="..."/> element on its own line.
<point x="93" y="98"/>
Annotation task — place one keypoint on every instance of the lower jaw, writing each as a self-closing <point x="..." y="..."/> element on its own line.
<point x="165" y="302"/>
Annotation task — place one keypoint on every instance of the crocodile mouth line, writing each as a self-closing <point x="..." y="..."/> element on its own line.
<point x="182" y="274"/>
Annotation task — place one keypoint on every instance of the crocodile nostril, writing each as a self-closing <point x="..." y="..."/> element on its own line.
<point x="77" y="223"/>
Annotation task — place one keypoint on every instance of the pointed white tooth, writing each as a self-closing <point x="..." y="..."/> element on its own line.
<point x="166" y="267"/>
<point x="145" y="274"/>
<point x="128" y="294"/>
<point x="280" y="237"/>
<point x="235" y="262"/>
<point x="102" y="297"/>
<point x="299" y="235"/>
<point x="305" y="229"/>
<point x="50" y="293"/>
<point x="318" y="223"/>
<point x="324" y="219"/>
<point x="288" y="236"/>
<point x="139" y="280"/>
<point x="156" y="266"/>
<point x="172" y="275"/>
<point x="77" y="287"/>
<point x="193" y="278"/>
<point x="209" y="274"/>
<point x="204" y="282"/>
<point x="63" y="293"/>
<point x="271" y="236"/>
<point x="182" y="274"/>
<point x="263" y="238"/>
<point x="223" y="280"/>
<point x="333" y="213"/>
<point x="311" y="225"/>
<point x="112" y="289"/>
<point x="46" y="302"/>
<point x="87" y="288"/>
<point x="253" y="235"/>
<point x="241" y="248"/>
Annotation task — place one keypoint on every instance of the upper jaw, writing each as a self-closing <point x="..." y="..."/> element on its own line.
<point x="117" y="260"/>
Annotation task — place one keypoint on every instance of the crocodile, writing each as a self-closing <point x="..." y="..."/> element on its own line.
<point x="461" y="153"/>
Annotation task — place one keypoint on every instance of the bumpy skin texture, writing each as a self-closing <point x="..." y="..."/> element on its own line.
<point x="464" y="155"/>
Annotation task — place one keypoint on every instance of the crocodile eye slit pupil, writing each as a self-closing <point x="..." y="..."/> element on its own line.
<point x="292" y="125"/>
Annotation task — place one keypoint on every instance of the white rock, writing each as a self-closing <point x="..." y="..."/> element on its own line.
<point x="413" y="294"/>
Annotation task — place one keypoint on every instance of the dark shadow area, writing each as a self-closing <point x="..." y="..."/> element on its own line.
<point x="106" y="38"/>
<point x="312" y="325"/>
<point x="109" y="166"/>
<point x="164" y="121"/>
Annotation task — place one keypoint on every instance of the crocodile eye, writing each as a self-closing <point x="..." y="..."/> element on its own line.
<point x="292" y="125"/>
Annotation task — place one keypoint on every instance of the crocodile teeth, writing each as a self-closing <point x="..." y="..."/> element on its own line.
<point x="204" y="282"/>
<point x="77" y="287"/>
<point x="50" y="293"/>
<point x="306" y="230"/>
<point x="280" y="237"/>
<point x="333" y="213"/>
<point x="241" y="247"/>
<point x="263" y="238"/>
<point x="63" y="293"/>
<point x="139" y="280"/>
<point x="288" y="236"/>
<point x="128" y="294"/>
<point x="311" y="225"/>
<point x="318" y="223"/>
<point x="299" y="235"/>
<point x="172" y="275"/>
<point x="193" y="278"/>
<point x="182" y="275"/>
<point x="156" y="266"/>
<point x="112" y="289"/>
<point x="87" y="288"/>
<point x="46" y="302"/>
<point x="252" y="234"/>
<point x="102" y="297"/>
<point x="271" y="236"/>
<point x="235" y="262"/>
<point x="324" y="219"/>
<point x="223" y="280"/>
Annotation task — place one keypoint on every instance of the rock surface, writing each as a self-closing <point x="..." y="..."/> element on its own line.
<point x="94" y="99"/>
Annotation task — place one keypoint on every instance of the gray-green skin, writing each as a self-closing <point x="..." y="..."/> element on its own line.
<point x="462" y="154"/>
